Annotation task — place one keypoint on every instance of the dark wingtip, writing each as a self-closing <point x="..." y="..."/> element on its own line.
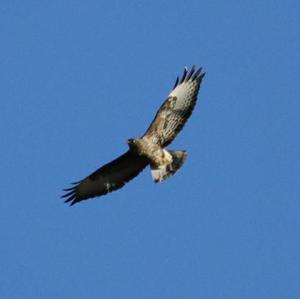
<point x="71" y="198"/>
<point x="69" y="189"/>
<point x="74" y="202"/>
<point x="202" y="76"/>
<point x="70" y="195"/>
<point x="76" y="183"/>
<point x="176" y="82"/>
<point x="190" y="75"/>
<point x="184" y="74"/>
<point x="197" y="73"/>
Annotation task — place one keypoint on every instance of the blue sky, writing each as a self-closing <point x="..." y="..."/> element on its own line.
<point x="79" y="78"/>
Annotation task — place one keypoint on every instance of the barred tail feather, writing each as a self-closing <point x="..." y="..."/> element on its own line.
<point x="164" y="171"/>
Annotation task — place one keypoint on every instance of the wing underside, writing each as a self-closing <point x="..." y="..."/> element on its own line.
<point x="176" y="109"/>
<point x="108" y="178"/>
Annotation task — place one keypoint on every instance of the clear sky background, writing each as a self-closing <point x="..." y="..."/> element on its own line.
<point x="80" y="77"/>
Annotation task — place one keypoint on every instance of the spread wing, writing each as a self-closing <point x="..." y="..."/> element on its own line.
<point x="176" y="109"/>
<point x="109" y="177"/>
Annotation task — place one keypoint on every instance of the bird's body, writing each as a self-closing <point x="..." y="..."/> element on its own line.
<point x="163" y="163"/>
<point x="155" y="154"/>
<point x="150" y="149"/>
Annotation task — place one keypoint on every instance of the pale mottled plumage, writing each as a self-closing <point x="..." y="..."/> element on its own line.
<point x="150" y="148"/>
<point x="177" y="108"/>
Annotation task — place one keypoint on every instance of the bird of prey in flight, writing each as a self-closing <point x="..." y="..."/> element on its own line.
<point x="149" y="149"/>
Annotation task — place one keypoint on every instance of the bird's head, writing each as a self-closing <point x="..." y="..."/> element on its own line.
<point x="132" y="143"/>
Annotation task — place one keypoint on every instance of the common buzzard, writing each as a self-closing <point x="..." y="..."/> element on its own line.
<point x="150" y="149"/>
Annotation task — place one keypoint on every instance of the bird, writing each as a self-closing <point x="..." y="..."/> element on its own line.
<point x="149" y="149"/>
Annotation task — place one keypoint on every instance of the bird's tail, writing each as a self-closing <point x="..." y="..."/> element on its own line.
<point x="162" y="172"/>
